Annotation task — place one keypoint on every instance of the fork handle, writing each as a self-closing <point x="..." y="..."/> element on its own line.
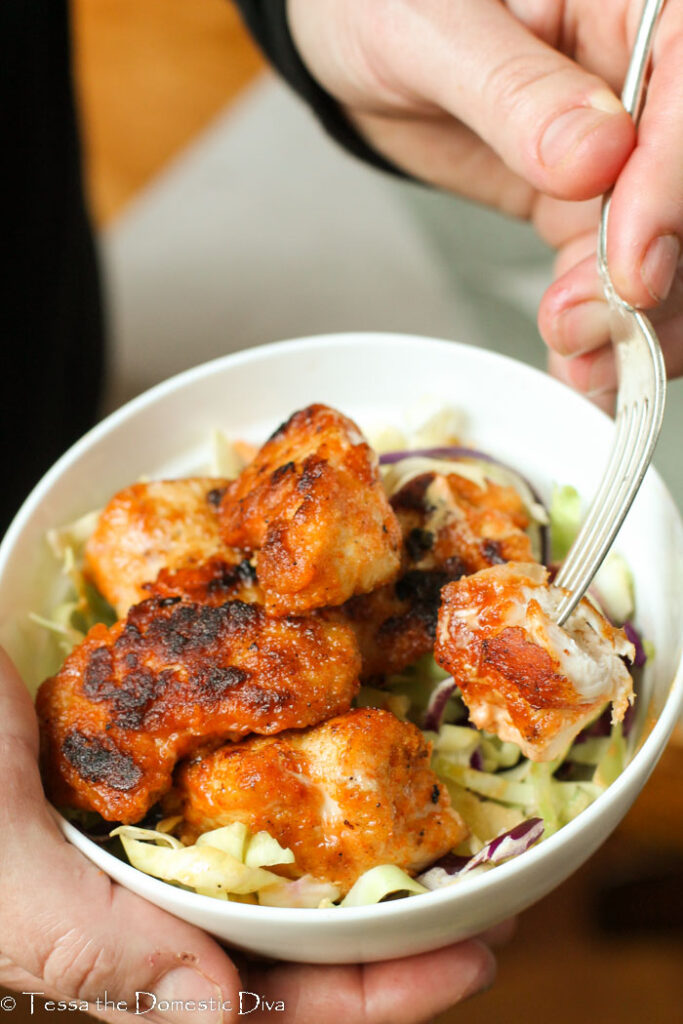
<point x="632" y="98"/>
<point x="633" y="92"/>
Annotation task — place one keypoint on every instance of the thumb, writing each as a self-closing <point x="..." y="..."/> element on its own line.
<point x="559" y="127"/>
<point x="63" y="921"/>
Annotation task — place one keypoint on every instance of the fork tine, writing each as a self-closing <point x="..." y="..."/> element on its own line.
<point x="625" y="477"/>
<point x="587" y="557"/>
<point x="571" y="567"/>
<point x="642" y="394"/>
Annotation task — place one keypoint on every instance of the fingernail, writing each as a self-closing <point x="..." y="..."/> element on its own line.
<point x="603" y="99"/>
<point x="567" y="131"/>
<point x="659" y="266"/>
<point x="185" y="995"/>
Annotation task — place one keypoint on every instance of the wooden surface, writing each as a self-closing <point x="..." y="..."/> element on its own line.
<point x="150" y="75"/>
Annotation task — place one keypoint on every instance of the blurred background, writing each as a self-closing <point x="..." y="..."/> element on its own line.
<point x="227" y="219"/>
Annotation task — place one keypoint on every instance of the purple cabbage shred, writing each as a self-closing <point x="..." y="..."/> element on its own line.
<point x="504" y="847"/>
<point x="437" y="704"/>
<point x="636" y="639"/>
<point x="476" y="760"/>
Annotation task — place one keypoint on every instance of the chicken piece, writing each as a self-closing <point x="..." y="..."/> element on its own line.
<point x="312" y="508"/>
<point x="214" y="583"/>
<point x="344" y="796"/>
<point x="131" y="700"/>
<point x="521" y="675"/>
<point x="396" y="624"/>
<point x="450" y="527"/>
<point x="150" y="526"/>
<point x="450" y="519"/>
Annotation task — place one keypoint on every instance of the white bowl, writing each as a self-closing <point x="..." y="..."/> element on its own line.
<point x="514" y="412"/>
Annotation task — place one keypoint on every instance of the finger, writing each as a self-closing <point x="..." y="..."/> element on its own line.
<point x="600" y="36"/>
<point x="595" y="373"/>
<point x="447" y="154"/>
<point x="500" y="934"/>
<point x="575" y="252"/>
<point x="558" y="221"/>
<point x="573" y="316"/>
<point x="554" y="124"/>
<point x="62" y="920"/>
<point x="542" y="17"/>
<point x="561" y="369"/>
<point x="16" y="978"/>
<point x="592" y="373"/>
<point x="405" y="991"/>
<point x="28" y="985"/>
<point x="646" y="215"/>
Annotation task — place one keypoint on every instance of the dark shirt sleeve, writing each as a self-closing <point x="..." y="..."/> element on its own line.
<point x="52" y="324"/>
<point x="267" y="23"/>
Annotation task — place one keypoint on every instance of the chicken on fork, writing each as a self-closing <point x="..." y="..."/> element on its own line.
<point x="344" y="796"/>
<point x="521" y="675"/>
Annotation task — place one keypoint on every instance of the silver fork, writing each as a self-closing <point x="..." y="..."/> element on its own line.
<point x="642" y="382"/>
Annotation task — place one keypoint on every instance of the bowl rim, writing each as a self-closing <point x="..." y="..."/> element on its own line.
<point x="642" y="761"/>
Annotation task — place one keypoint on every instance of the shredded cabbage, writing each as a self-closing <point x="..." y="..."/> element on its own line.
<point x="565" y="520"/>
<point x="306" y="892"/>
<point x="216" y="865"/>
<point x="377" y="883"/>
<point x="226" y="461"/>
<point x="613" y="585"/>
<point x="445" y="426"/>
<point x="84" y="606"/>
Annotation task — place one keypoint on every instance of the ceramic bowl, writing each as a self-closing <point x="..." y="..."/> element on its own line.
<point x="523" y="417"/>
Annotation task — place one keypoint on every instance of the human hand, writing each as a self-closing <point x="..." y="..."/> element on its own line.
<point x="514" y="105"/>
<point x="67" y="931"/>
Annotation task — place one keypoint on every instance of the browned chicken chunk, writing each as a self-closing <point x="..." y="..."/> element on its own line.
<point x="450" y="520"/>
<point x="151" y="526"/>
<point x="312" y="509"/>
<point x="521" y="675"/>
<point x="214" y="582"/>
<point x="396" y="624"/>
<point x="131" y="700"/>
<point x="450" y="527"/>
<point x="344" y="796"/>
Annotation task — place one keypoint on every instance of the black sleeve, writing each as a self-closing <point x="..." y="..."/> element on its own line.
<point x="52" y="325"/>
<point x="267" y="23"/>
